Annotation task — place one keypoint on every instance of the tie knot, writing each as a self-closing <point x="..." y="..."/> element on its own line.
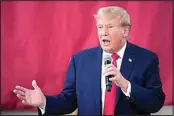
<point x="115" y="56"/>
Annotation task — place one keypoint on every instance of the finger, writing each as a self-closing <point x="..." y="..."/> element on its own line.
<point x="116" y="78"/>
<point x="112" y="79"/>
<point x="109" y="65"/>
<point x="110" y="73"/>
<point x="113" y="68"/>
<point x="21" y="97"/>
<point x="25" y="102"/>
<point x="34" y="84"/>
<point x="19" y="92"/>
<point x="20" y="88"/>
<point x="28" y="98"/>
<point x="109" y="69"/>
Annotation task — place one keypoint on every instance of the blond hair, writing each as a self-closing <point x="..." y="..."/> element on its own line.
<point x="114" y="12"/>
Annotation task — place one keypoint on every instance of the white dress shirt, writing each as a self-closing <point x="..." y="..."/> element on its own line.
<point x="103" y="84"/>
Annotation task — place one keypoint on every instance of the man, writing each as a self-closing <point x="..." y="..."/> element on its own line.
<point x="134" y="72"/>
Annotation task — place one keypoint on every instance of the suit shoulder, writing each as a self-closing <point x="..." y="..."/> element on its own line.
<point x="87" y="51"/>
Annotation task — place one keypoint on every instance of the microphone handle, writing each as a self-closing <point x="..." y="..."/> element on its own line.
<point x="108" y="83"/>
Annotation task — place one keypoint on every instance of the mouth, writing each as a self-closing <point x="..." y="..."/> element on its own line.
<point x="106" y="41"/>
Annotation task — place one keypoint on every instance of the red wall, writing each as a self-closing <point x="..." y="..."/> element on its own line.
<point x="38" y="39"/>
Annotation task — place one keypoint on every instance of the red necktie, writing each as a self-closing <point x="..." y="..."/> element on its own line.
<point x="110" y="97"/>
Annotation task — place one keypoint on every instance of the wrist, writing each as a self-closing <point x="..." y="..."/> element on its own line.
<point x="125" y="85"/>
<point x="43" y="102"/>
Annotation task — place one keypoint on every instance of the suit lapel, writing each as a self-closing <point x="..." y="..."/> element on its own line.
<point x="126" y="66"/>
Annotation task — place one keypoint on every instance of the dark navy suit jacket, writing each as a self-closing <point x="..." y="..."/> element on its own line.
<point x="83" y="84"/>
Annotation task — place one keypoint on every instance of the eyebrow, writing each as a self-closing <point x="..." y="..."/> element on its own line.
<point x="102" y="25"/>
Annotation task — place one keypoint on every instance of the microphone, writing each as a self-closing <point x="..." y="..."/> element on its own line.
<point x="107" y="60"/>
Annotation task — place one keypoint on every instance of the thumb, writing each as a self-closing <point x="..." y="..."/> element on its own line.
<point x="34" y="84"/>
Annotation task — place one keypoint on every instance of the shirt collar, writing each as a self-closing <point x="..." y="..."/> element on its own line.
<point x="120" y="52"/>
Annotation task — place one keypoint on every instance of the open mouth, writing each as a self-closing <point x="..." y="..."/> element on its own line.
<point x="106" y="42"/>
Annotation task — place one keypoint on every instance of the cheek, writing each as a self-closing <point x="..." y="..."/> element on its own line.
<point x="115" y="41"/>
<point x="99" y="35"/>
<point x="116" y="38"/>
<point x="116" y="35"/>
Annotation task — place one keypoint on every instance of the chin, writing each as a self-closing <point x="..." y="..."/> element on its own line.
<point x="106" y="49"/>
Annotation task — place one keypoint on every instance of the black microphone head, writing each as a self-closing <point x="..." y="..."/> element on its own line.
<point x="107" y="60"/>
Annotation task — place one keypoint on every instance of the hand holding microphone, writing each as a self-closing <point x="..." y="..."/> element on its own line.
<point x="113" y="74"/>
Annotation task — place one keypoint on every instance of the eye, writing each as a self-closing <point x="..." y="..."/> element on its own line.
<point x="110" y="26"/>
<point x="99" y="27"/>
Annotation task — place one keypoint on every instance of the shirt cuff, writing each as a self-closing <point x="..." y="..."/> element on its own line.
<point x="42" y="110"/>
<point x="128" y="90"/>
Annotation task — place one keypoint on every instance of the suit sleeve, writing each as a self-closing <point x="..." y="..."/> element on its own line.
<point x="150" y="98"/>
<point x="66" y="101"/>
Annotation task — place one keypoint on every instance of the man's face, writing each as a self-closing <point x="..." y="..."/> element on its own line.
<point x="110" y="34"/>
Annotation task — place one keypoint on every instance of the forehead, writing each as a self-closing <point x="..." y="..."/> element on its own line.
<point x="104" y="20"/>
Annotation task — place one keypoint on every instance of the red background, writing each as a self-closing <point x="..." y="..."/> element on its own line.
<point x="38" y="39"/>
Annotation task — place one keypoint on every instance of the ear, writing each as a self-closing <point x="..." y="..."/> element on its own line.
<point x="125" y="32"/>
